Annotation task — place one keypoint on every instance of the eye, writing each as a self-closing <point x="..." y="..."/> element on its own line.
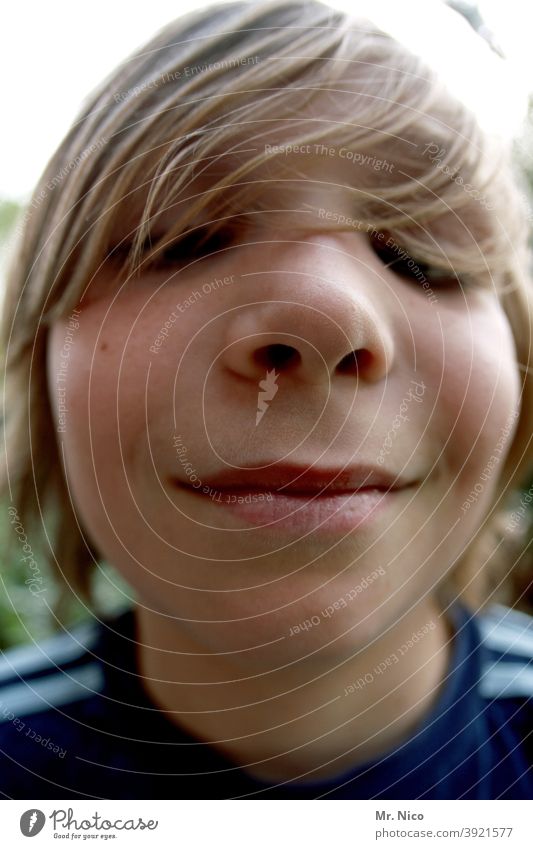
<point x="395" y="257"/>
<point x="199" y="242"/>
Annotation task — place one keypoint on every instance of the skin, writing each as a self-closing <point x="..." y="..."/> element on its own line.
<point x="216" y="599"/>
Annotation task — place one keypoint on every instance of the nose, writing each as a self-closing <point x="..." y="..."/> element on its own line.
<point x="311" y="328"/>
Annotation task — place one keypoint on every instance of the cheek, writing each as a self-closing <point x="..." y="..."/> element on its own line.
<point x="477" y="394"/>
<point x="97" y="398"/>
<point x="82" y="390"/>
<point x="115" y="402"/>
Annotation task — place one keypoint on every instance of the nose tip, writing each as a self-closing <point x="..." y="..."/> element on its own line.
<point x="305" y="343"/>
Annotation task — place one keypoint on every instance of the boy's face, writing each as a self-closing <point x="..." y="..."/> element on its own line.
<point x="170" y="385"/>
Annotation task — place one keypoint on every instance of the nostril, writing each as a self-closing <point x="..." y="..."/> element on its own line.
<point x="277" y="357"/>
<point x="354" y="361"/>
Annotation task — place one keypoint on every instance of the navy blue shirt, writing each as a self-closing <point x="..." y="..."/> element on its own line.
<point x="75" y="722"/>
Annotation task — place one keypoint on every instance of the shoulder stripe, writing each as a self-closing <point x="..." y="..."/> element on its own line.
<point x="514" y="617"/>
<point x="52" y="691"/>
<point x="506" y="680"/>
<point x="506" y="630"/>
<point x="47" y="654"/>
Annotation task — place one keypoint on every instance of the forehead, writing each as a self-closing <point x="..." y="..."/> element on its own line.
<point x="284" y="163"/>
<point x="313" y="159"/>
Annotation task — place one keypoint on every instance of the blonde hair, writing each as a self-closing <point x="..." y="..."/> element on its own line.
<point x="207" y="87"/>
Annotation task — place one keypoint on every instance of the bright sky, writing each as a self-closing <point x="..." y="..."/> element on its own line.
<point x="55" y="52"/>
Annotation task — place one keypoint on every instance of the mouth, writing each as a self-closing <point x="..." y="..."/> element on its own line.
<point x="301" y="498"/>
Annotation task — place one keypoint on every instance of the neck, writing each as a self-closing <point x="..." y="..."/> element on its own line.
<point x="310" y="720"/>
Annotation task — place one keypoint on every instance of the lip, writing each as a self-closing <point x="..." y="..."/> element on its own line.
<point x="301" y="498"/>
<point x="287" y="478"/>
